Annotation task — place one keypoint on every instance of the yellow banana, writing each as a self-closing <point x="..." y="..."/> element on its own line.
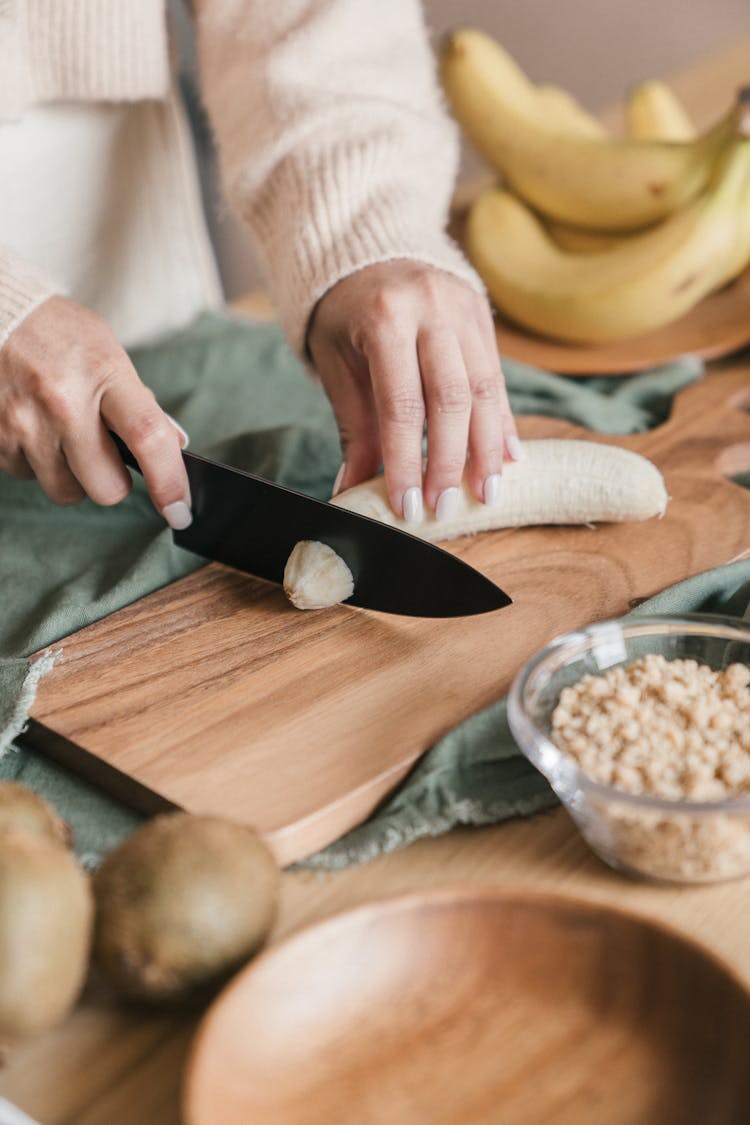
<point x="646" y="281"/>
<point x="562" y="110"/>
<point x="602" y="184"/>
<point x="578" y="240"/>
<point x="550" y="104"/>
<point x="653" y="112"/>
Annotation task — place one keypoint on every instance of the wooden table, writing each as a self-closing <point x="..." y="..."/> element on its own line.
<point x="109" y="1066"/>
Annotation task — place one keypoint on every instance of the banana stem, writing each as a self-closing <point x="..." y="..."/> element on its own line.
<point x="743" y="100"/>
<point x="730" y="175"/>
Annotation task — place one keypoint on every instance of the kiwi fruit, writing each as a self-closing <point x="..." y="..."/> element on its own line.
<point x="24" y="810"/>
<point x="180" y="904"/>
<point x="46" y="918"/>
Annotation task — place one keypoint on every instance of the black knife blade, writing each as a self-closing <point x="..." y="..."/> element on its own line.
<point x="252" y="524"/>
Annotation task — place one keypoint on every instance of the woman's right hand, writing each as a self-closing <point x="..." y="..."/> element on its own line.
<point x="64" y="382"/>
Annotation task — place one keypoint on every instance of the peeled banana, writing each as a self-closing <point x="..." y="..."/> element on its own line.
<point x="595" y="183"/>
<point x="315" y="576"/>
<point x="653" y="112"/>
<point x="559" y="481"/>
<point x="646" y="281"/>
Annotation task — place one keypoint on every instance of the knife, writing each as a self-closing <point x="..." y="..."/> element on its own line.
<point x="252" y="524"/>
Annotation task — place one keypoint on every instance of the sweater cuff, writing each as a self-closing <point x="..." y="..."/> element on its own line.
<point x="22" y="289"/>
<point x="333" y="232"/>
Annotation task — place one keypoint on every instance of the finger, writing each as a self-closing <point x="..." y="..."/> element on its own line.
<point x="448" y="402"/>
<point x="183" y="434"/>
<point x="16" y="465"/>
<point x="513" y="448"/>
<point x="53" y="473"/>
<point x="130" y="409"/>
<point x="96" y="464"/>
<point x="399" y="401"/>
<point x="350" y="394"/>
<point x="489" y="419"/>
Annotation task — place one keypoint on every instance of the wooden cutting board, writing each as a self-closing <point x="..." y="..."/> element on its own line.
<point x="214" y="694"/>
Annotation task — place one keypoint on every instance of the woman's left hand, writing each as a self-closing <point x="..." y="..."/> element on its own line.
<point x="399" y="344"/>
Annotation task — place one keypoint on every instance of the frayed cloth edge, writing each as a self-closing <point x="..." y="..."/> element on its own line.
<point x="19" y="717"/>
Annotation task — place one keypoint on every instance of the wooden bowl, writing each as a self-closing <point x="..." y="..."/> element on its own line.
<point x="476" y="1005"/>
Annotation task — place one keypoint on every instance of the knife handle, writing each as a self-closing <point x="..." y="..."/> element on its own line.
<point x="124" y="452"/>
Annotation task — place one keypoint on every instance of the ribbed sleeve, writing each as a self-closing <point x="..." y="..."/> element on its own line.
<point x="22" y="289"/>
<point x="106" y="50"/>
<point x="82" y="50"/>
<point x="334" y="143"/>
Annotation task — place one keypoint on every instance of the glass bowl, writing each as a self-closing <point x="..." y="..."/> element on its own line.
<point x="662" y="839"/>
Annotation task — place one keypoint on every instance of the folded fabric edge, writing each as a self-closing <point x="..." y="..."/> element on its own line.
<point x="346" y="852"/>
<point x="19" y="716"/>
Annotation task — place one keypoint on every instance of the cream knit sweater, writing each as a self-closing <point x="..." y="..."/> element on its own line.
<point x="333" y="141"/>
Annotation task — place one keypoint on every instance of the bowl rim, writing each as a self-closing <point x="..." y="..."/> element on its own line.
<point x="533" y="742"/>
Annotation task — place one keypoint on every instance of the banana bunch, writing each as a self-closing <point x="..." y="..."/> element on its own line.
<point x="592" y="238"/>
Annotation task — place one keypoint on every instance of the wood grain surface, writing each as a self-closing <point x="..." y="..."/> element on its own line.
<point x="476" y="1006"/>
<point x="217" y="696"/>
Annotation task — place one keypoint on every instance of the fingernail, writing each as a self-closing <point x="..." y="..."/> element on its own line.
<point x="514" y="447"/>
<point x="183" y="433"/>
<point x="338" y="480"/>
<point x="177" y="515"/>
<point x="447" y="504"/>
<point x="492" y="490"/>
<point x="413" y="505"/>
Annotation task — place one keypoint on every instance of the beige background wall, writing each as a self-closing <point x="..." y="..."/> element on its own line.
<point x="596" y="48"/>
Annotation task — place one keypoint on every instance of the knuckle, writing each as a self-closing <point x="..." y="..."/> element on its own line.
<point x="54" y="397"/>
<point x="447" y="465"/>
<point x="386" y="304"/>
<point x="452" y="398"/>
<point x="401" y="409"/>
<point x="107" y="371"/>
<point x="432" y="286"/>
<point x="149" y="427"/>
<point x="486" y="390"/>
<point x="15" y="427"/>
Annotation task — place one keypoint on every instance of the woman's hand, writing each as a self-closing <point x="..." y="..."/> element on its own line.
<point x="64" y="382"/>
<point x="399" y="344"/>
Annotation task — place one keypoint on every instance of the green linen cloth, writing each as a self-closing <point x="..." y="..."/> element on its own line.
<point x="244" y="399"/>
<point x="477" y="775"/>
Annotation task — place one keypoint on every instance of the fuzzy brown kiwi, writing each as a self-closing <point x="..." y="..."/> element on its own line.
<point x="180" y="904"/>
<point x="46" y="919"/>
<point x="23" y="809"/>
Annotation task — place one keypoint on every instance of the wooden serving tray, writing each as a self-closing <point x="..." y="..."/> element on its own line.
<point x="214" y="694"/>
